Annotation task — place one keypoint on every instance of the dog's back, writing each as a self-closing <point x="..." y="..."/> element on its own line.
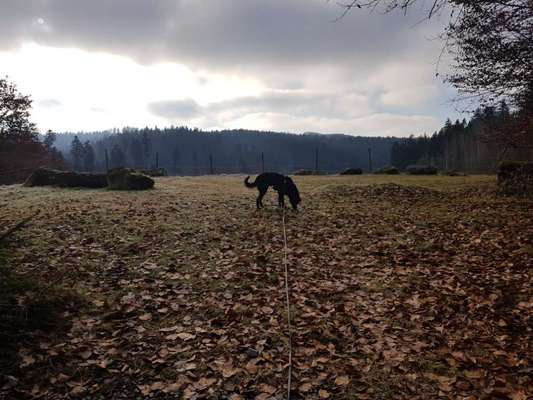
<point x="266" y="179"/>
<point x="281" y="184"/>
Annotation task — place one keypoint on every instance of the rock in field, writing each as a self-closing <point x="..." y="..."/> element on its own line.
<point x="128" y="179"/>
<point x="52" y="177"/>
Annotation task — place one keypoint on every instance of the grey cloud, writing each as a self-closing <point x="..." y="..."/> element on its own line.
<point x="299" y="104"/>
<point x="212" y="34"/>
<point x="316" y="68"/>
<point x="295" y="104"/>
<point x="173" y="109"/>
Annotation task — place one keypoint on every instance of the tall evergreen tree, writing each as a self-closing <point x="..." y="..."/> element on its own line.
<point x="88" y="157"/>
<point x="49" y="139"/>
<point x="118" y="158"/>
<point x="146" y="145"/>
<point x="176" y="158"/>
<point x="76" y="153"/>
<point x="137" y="153"/>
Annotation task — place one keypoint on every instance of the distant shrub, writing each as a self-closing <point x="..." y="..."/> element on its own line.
<point x="352" y="171"/>
<point x="307" y="172"/>
<point x="421" y="170"/>
<point x="516" y="178"/>
<point x="387" y="171"/>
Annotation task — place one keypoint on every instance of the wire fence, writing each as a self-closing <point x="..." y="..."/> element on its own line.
<point x="245" y="163"/>
<point x="203" y="166"/>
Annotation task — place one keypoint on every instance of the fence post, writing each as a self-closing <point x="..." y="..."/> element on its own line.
<point x="370" y="159"/>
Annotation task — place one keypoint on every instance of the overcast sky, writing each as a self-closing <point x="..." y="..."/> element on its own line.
<point x="261" y="64"/>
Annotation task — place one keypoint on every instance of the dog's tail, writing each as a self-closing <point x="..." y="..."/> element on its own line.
<point x="248" y="184"/>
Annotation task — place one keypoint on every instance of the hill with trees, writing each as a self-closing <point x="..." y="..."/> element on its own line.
<point x="186" y="151"/>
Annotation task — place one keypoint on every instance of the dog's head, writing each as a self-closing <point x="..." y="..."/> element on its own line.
<point x="292" y="192"/>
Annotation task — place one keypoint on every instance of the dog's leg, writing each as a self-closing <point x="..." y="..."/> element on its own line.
<point x="281" y="199"/>
<point x="262" y="192"/>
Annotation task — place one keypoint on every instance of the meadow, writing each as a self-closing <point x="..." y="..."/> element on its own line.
<point x="400" y="287"/>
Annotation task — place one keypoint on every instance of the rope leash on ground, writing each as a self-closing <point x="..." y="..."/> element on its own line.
<point x="287" y="297"/>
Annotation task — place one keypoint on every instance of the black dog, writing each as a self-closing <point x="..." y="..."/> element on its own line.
<point x="281" y="184"/>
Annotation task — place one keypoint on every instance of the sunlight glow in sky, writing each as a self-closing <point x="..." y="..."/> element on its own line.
<point x="277" y="66"/>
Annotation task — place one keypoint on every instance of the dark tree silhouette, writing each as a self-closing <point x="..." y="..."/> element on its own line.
<point x="491" y="41"/>
<point x="118" y="158"/>
<point x="20" y="149"/>
<point x="49" y="139"/>
<point x="493" y="133"/>
<point x="137" y="153"/>
<point x="146" y="146"/>
<point x="88" y="157"/>
<point x="76" y="153"/>
<point x="176" y="159"/>
<point x="15" y="125"/>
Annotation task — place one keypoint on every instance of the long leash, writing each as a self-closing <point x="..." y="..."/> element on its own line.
<point x="285" y="263"/>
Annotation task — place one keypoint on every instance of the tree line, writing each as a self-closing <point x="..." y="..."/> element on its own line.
<point x="186" y="151"/>
<point x="491" y="135"/>
<point x="477" y="146"/>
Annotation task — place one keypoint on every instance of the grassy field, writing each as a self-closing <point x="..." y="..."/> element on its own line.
<point x="401" y="287"/>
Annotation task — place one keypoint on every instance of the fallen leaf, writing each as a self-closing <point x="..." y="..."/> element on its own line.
<point x="228" y="370"/>
<point x="304" y="388"/>
<point x="342" y="380"/>
<point x="267" y="310"/>
<point x="251" y="366"/>
<point x="205" y="383"/>
<point x="146" y="317"/>
<point x="519" y="395"/>
<point x="27" y="361"/>
<point x="263" y="387"/>
<point x="475" y="374"/>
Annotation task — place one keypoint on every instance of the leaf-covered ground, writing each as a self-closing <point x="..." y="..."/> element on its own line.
<point x="401" y="287"/>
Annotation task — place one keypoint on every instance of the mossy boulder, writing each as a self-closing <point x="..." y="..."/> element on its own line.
<point x="387" y="171"/>
<point x="421" y="170"/>
<point x="516" y="178"/>
<point x="352" y="171"/>
<point x="52" y="177"/>
<point x="128" y="179"/>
